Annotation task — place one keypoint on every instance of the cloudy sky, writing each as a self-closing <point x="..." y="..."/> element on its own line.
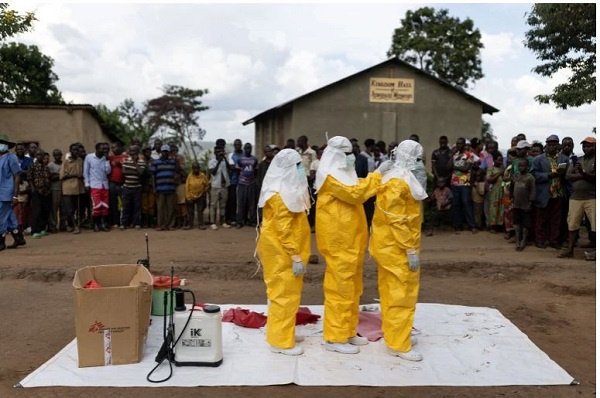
<point x="252" y="57"/>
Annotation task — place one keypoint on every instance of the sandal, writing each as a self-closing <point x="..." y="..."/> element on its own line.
<point x="565" y="255"/>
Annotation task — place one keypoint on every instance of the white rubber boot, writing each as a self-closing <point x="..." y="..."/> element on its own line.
<point x="298" y="338"/>
<point x="294" y="351"/>
<point x="343" y="348"/>
<point x="357" y="340"/>
<point x="411" y="355"/>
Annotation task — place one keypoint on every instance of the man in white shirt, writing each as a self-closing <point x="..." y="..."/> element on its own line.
<point x="96" y="169"/>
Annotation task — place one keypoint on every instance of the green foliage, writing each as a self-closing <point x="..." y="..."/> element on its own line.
<point x="126" y="121"/>
<point x="26" y="76"/>
<point x="136" y="121"/>
<point x="206" y="156"/>
<point x="174" y="114"/>
<point x="564" y="35"/>
<point x="12" y="23"/>
<point x="439" y="44"/>
<point x="487" y="131"/>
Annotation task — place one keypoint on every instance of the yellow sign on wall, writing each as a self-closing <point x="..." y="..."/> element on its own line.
<point x="397" y="91"/>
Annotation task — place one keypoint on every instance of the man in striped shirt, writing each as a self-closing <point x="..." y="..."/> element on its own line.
<point x="133" y="171"/>
<point x="163" y="171"/>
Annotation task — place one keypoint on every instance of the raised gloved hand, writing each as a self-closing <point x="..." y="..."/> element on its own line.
<point x="385" y="167"/>
<point x="298" y="267"/>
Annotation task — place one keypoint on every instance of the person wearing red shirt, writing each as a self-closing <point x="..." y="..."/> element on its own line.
<point x="115" y="183"/>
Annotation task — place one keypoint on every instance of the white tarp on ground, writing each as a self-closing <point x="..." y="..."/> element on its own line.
<point x="462" y="346"/>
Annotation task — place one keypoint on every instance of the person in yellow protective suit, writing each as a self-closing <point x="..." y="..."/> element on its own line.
<point x="341" y="229"/>
<point x="284" y="246"/>
<point x="395" y="246"/>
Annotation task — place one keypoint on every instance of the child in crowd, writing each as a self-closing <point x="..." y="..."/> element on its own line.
<point x="442" y="201"/>
<point x="478" y="196"/>
<point x="38" y="176"/>
<point x="507" y="200"/>
<point x="181" y="208"/>
<point x="496" y="189"/>
<point x="523" y="194"/>
<point x="536" y="149"/>
<point x="196" y="186"/>
<point x="148" y="195"/>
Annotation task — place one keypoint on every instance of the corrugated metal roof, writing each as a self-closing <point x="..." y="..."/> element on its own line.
<point x="485" y="106"/>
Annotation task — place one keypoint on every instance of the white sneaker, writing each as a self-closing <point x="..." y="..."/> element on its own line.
<point x="414" y="341"/>
<point x="294" y="351"/>
<point x="411" y="355"/>
<point x="225" y="225"/>
<point x="357" y="340"/>
<point x="298" y="338"/>
<point x="214" y="227"/>
<point x="343" y="348"/>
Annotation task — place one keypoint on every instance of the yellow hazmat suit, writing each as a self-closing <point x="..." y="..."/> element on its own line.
<point x="284" y="234"/>
<point x="396" y="227"/>
<point x="341" y="230"/>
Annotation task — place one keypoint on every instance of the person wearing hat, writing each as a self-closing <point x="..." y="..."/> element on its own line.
<point x="583" y="199"/>
<point x="10" y="178"/>
<point x="549" y="170"/>
<point x="523" y="147"/>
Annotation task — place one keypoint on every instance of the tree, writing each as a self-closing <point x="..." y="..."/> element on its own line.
<point x="487" y="131"/>
<point x="12" y="23"/>
<point x="126" y="121"/>
<point x="564" y="35"/>
<point x="175" y="114"/>
<point x="440" y="45"/>
<point x="26" y="75"/>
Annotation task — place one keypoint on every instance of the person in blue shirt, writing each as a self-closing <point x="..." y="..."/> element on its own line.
<point x="10" y="178"/>
<point x="246" y="188"/>
<point x="163" y="172"/>
<point x="22" y="206"/>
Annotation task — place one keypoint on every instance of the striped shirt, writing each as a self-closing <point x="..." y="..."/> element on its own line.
<point x="164" y="175"/>
<point x="132" y="175"/>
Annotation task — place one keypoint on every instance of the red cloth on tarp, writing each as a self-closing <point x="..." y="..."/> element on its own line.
<point x="245" y="318"/>
<point x="304" y="316"/>
<point x="251" y="319"/>
<point x="369" y="325"/>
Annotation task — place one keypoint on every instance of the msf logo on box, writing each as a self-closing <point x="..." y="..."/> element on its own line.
<point x="195" y="332"/>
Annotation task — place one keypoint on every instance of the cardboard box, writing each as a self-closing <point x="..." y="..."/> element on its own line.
<point x="112" y="322"/>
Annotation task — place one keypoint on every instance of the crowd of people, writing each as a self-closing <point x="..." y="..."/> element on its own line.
<point x="534" y="193"/>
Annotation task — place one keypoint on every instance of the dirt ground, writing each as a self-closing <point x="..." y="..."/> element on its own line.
<point x="551" y="300"/>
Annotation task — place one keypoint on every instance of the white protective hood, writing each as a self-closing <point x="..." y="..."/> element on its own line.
<point x="333" y="162"/>
<point x="406" y="155"/>
<point x="282" y="177"/>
